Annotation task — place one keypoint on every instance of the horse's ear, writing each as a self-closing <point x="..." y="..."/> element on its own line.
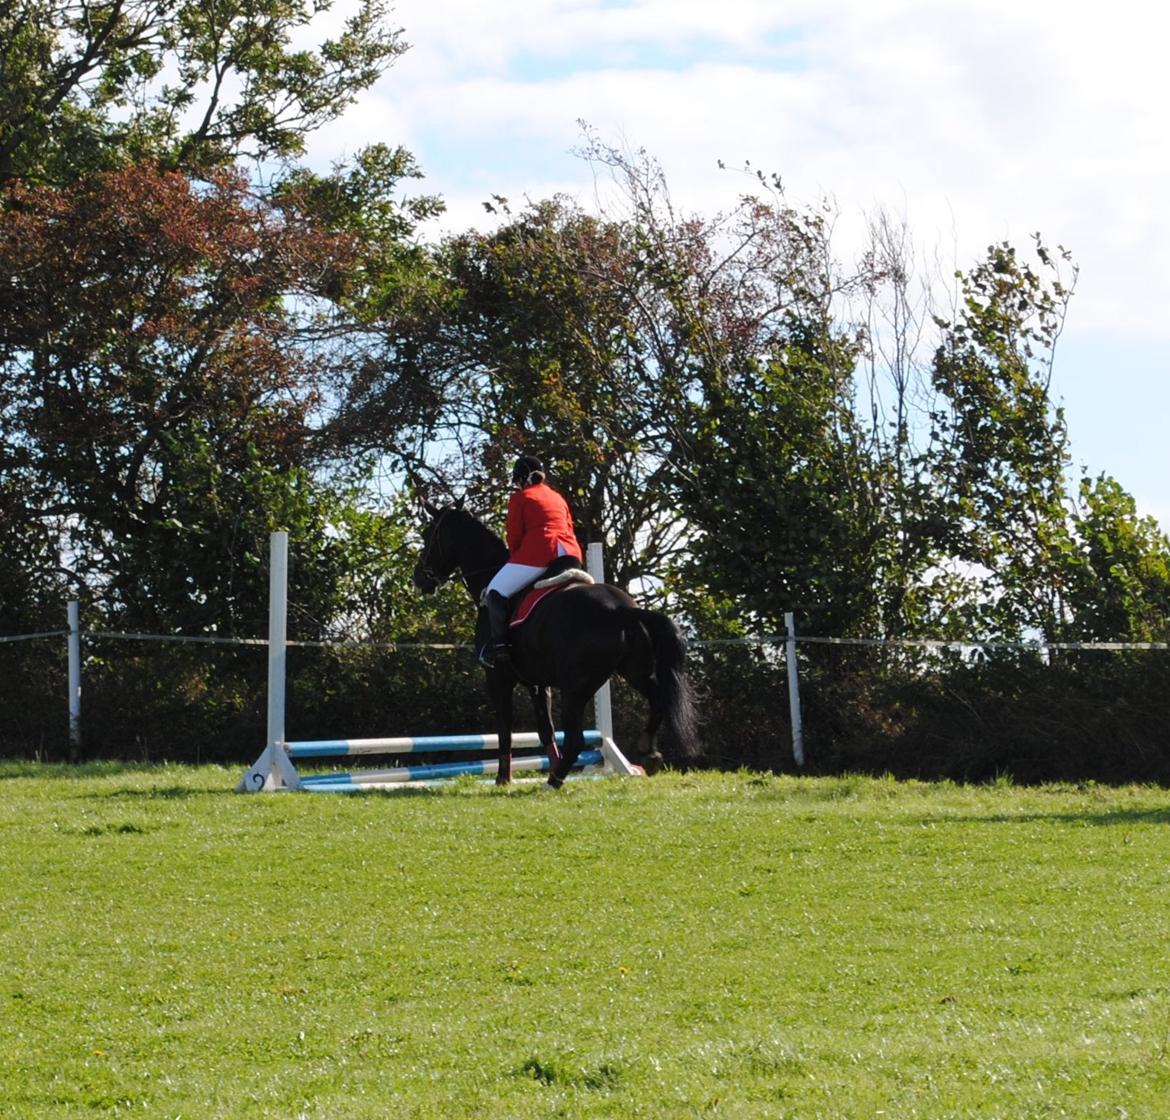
<point x="459" y="504"/>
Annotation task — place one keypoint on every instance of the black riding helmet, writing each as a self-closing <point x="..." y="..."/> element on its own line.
<point x="528" y="470"/>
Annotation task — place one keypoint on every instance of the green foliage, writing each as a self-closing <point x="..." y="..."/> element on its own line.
<point x="551" y="346"/>
<point x="172" y="343"/>
<point x="33" y="688"/>
<point x="959" y="713"/>
<point x="187" y="362"/>
<point x="363" y="201"/>
<point x="977" y="715"/>
<point x="732" y="945"/>
<point x="1001" y="447"/>
<point x="32" y="585"/>
<point x="156" y="401"/>
<point x="778" y="501"/>
<point x="185" y="83"/>
<point x="1119" y="580"/>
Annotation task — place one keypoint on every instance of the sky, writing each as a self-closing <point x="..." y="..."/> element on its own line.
<point x="971" y="122"/>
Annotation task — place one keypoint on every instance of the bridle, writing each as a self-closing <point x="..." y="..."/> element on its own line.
<point x="435" y="544"/>
<point x="435" y="541"/>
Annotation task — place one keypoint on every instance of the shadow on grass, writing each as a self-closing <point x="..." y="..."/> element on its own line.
<point x="66" y="771"/>
<point x="162" y="793"/>
<point x="1102" y="818"/>
<point x="164" y="786"/>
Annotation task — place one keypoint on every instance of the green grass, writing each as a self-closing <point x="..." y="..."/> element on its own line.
<point x="683" y="946"/>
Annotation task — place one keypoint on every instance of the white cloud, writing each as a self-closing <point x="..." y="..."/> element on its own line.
<point x="992" y="118"/>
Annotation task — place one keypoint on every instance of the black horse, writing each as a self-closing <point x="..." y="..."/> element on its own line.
<point x="574" y="640"/>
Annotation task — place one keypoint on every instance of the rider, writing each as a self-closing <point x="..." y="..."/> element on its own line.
<point x="540" y="528"/>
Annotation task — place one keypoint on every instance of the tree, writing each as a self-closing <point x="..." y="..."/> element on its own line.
<point x="780" y="510"/>
<point x="88" y="85"/>
<point x="1001" y="446"/>
<point x="609" y="343"/>
<point x="557" y="347"/>
<point x="1118" y="588"/>
<point x="536" y="337"/>
<point x="160" y="395"/>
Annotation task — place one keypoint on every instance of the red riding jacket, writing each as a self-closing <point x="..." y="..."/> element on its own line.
<point x="538" y="521"/>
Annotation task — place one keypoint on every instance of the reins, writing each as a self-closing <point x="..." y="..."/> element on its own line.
<point x="436" y="541"/>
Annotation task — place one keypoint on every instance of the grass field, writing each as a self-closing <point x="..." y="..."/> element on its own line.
<point x="683" y="946"/>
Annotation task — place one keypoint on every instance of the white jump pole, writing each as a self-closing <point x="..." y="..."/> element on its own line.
<point x="74" y="614"/>
<point x="602" y="707"/>
<point x="793" y="690"/>
<point x="273" y="770"/>
<point x="277" y="634"/>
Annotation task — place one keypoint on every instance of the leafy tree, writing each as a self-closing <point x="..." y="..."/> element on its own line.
<point x="1001" y="446"/>
<point x="551" y="321"/>
<point x="161" y="399"/>
<point x="617" y="346"/>
<point x="88" y="85"/>
<point x="779" y="510"/>
<point x="536" y="339"/>
<point x="1118" y="588"/>
<point x="32" y="585"/>
<point x="389" y="303"/>
<point x="174" y="337"/>
<point x="776" y="491"/>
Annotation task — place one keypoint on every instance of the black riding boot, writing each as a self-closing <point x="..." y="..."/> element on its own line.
<point x="495" y="650"/>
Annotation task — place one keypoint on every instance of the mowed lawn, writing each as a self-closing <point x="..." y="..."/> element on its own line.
<point x="682" y="946"/>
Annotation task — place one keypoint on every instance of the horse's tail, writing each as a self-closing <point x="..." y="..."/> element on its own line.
<point x="670" y="667"/>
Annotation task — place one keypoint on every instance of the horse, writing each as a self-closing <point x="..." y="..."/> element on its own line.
<point x="573" y="640"/>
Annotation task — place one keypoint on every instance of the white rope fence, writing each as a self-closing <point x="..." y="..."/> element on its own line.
<point x="115" y="635"/>
<point x="32" y="637"/>
<point x="932" y="643"/>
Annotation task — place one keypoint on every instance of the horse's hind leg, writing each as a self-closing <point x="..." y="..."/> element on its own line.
<point x="542" y="704"/>
<point x="573" y="717"/>
<point x="649" y="754"/>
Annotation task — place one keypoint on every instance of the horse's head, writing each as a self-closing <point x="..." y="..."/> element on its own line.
<point x="437" y="561"/>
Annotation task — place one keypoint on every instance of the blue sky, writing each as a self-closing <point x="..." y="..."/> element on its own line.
<point x="974" y="122"/>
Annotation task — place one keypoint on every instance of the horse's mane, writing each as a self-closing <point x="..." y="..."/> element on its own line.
<point x="478" y="532"/>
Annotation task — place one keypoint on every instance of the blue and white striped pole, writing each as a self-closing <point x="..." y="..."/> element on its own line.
<point x="398" y="776"/>
<point x="419" y="744"/>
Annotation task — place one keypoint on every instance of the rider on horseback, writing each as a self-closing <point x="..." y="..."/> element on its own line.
<point x="540" y="528"/>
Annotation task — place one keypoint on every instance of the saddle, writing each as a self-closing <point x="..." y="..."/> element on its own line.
<point x="561" y="574"/>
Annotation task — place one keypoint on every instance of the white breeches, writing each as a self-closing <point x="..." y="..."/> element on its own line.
<point x="512" y="577"/>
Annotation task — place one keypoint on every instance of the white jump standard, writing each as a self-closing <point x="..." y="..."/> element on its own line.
<point x="274" y="769"/>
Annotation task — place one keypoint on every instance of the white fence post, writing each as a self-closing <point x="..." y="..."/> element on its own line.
<point x="602" y="707"/>
<point x="793" y="690"/>
<point x="74" y="613"/>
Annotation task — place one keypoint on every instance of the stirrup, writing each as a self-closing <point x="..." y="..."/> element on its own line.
<point x="494" y="654"/>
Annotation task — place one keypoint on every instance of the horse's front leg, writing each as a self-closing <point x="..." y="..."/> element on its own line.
<point x="500" y="685"/>
<point x="542" y="704"/>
